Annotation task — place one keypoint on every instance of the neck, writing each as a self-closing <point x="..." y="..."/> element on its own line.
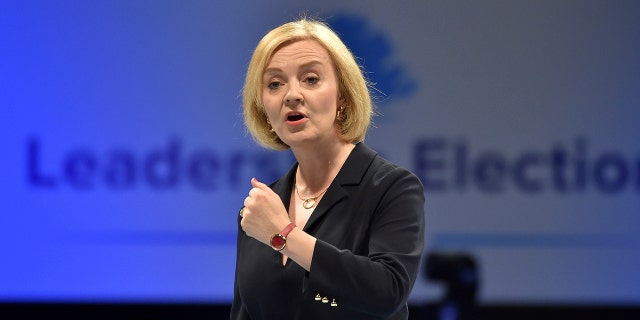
<point x="318" y="166"/>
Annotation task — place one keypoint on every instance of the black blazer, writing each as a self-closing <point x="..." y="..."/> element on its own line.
<point x="369" y="227"/>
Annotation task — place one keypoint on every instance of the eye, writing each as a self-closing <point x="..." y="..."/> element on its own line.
<point x="273" y="85"/>
<point x="312" y="80"/>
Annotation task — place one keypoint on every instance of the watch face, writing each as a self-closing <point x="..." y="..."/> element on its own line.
<point x="278" y="242"/>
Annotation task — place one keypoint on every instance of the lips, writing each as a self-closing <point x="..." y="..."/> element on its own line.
<point x="295" y="118"/>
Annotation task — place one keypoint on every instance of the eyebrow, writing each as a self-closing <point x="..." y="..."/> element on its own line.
<point x="303" y="66"/>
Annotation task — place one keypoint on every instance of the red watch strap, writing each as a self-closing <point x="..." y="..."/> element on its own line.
<point x="287" y="229"/>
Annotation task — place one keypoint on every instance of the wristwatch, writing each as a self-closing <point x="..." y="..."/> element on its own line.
<point x="279" y="240"/>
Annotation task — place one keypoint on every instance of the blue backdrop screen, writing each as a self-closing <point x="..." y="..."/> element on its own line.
<point x="125" y="158"/>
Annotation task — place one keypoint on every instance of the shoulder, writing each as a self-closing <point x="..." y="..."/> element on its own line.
<point x="379" y="176"/>
<point x="384" y="171"/>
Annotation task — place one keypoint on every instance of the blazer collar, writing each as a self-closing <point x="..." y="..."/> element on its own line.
<point x="351" y="173"/>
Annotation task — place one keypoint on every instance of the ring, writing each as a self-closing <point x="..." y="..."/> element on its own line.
<point x="241" y="211"/>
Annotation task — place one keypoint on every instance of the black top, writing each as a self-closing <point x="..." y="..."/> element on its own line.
<point x="369" y="227"/>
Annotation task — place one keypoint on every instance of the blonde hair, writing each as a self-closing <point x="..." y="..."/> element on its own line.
<point x="352" y="86"/>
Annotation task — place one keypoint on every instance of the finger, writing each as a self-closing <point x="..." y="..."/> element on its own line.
<point x="247" y="202"/>
<point x="257" y="184"/>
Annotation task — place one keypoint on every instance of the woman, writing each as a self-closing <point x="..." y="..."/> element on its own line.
<point x="340" y="236"/>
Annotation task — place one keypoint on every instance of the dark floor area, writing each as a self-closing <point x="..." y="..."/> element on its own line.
<point x="99" y="311"/>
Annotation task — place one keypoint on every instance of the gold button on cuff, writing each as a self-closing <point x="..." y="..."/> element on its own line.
<point x="334" y="303"/>
<point x="325" y="300"/>
<point x="318" y="298"/>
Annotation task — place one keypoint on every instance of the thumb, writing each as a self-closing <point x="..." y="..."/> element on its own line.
<point x="257" y="184"/>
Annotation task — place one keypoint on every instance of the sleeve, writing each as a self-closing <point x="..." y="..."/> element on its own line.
<point x="238" y="312"/>
<point x="380" y="282"/>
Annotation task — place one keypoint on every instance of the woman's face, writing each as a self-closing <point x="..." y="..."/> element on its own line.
<point x="300" y="94"/>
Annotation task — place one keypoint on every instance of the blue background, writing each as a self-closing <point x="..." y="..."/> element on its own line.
<point x="125" y="158"/>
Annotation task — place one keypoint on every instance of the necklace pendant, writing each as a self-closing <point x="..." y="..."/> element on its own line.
<point x="308" y="203"/>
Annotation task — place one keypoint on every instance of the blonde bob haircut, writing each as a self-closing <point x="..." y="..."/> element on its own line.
<point x="352" y="86"/>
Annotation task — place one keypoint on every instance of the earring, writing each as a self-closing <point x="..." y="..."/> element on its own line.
<point x="270" y="126"/>
<point x="339" y="113"/>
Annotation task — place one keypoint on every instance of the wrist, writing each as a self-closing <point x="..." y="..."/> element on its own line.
<point x="279" y="240"/>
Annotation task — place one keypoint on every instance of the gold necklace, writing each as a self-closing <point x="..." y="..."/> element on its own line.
<point x="310" y="202"/>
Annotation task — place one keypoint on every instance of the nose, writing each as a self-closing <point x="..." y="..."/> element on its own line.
<point x="293" y="96"/>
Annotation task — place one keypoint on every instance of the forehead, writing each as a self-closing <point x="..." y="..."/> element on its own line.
<point x="300" y="52"/>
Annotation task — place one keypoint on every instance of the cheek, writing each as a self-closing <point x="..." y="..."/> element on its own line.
<point x="329" y="102"/>
<point x="330" y="99"/>
<point x="271" y="108"/>
<point x="270" y="102"/>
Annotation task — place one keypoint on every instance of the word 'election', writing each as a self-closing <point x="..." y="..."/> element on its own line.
<point x="445" y="165"/>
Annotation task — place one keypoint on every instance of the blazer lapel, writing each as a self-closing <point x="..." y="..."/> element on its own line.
<point x="351" y="173"/>
<point x="284" y="186"/>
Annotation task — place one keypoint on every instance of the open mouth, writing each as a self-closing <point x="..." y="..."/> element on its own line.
<point x="295" y="117"/>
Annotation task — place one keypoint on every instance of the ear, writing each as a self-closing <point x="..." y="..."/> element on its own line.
<point x="341" y="101"/>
